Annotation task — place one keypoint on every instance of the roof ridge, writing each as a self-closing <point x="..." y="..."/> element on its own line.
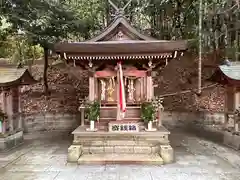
<point x="114" y="24"/>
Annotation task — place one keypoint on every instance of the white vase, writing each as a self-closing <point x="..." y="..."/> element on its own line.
<point x="92" y="125"/>
<point x="150" y="125"/>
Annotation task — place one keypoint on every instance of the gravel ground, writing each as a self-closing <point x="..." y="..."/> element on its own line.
<point x="44" y="157"/>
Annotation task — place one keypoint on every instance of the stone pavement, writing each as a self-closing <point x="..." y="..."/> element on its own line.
<point x="44" y="157"/>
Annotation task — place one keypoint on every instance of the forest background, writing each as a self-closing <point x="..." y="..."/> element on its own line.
<point x="29" y="28"/>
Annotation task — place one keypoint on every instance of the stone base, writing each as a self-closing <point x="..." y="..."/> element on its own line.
<point x="167" y="154"/>
<point x="153" y="159"/>
<point x="120" y="147"/>
<point x="150" y="130"/>
<point x="74" y="152"/>
<point x="231" y="140"/>
<point x="11" y="141"/>
<point x="91" y="130"/>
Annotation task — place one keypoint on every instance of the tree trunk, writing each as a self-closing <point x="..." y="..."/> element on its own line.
<point x="46" y="90"/>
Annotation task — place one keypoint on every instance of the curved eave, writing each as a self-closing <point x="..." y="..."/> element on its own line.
<point x="121" y="47"/>
<point x="227" y="75"/>
<point x="15" y="77"/>
<point x="119" y="21"/>
<point x="231" y="72"/>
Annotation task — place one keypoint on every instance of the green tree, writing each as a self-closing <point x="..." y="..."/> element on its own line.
<point x="43" y="22"/>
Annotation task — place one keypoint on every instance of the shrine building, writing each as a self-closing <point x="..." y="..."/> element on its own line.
<point x="11" y="127"/>
<point x="117" y="139"/>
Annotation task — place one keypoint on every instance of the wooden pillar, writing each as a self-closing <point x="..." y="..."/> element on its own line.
<point x="138" y="90"/>
<point x="20" y="120"/>
<point x="1" y="100"/>
<point x="159" y="117"/>
<point x="236" y="98"/>
<point x="96" y="91"/>
<point x="118" y="98"/>
<point x="9" y="109"/>
<point x="4" y="109"/>
<point x="236" y="106"/>
<point x="91" y="88"/>
<point x="82" y="116"/>
<point x="142" y="88"/>
<point x="149" y="86"/>
<point x="230" y="102"/>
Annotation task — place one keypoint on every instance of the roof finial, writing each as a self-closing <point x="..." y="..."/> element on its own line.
<point x="119" y="11"/>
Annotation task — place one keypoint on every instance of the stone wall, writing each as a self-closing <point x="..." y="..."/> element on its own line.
<point x="170" y="119"/>
<point x="209" y="125"/>
<point x="51" y="122"/>
<point x="183" y="118"/>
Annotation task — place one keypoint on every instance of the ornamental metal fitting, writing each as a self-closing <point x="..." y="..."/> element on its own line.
<point x="90" y="64"/>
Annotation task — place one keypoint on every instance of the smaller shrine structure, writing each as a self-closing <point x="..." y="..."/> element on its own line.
<point x="228" y="75"/>
<point x="11" y="126"/>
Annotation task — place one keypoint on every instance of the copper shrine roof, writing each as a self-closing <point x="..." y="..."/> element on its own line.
<point x="10" y="76"/>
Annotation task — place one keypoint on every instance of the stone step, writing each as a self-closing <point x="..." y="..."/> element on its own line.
<point x="153" y="159"/>
<point x="121" y="149"/>
<point x="119" y="142"/>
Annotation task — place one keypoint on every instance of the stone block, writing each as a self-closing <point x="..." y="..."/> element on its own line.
<point x="85" y="150"/>
<point x="236" y="142"/>
<point x="142" y="150"/>
<point x="120" y="143"/>
<point x="231" y="121"/>
<point x="11" y="141"/>
<point x="143" y="143"/>
<point x="74" y="152"/>
<point x="109" y="149"/>
<point x="98" y="143"/>
<point x="123" y="149"/>
<point x="227" y="138"/>
<point x="155" y="149"/>
<point x="167" y="154"/>
<point x="96" y="149"/>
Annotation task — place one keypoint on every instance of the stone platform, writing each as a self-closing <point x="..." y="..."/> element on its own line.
<point x="9" y="142"/>
<point x="104" y="147"/>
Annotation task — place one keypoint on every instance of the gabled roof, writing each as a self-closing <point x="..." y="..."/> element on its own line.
<point x="11" y="76"/>
<point x="120" y="22"/>
<point x="121" y="41"/>
<point x="232" y="71"/>
<point x="227" y="74"/>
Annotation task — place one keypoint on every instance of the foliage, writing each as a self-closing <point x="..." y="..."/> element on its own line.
<point x="93" y="111"/>
<point x="148" y="111"/>
<point x="42" y="22"/>
<point x="157" y="103"/>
